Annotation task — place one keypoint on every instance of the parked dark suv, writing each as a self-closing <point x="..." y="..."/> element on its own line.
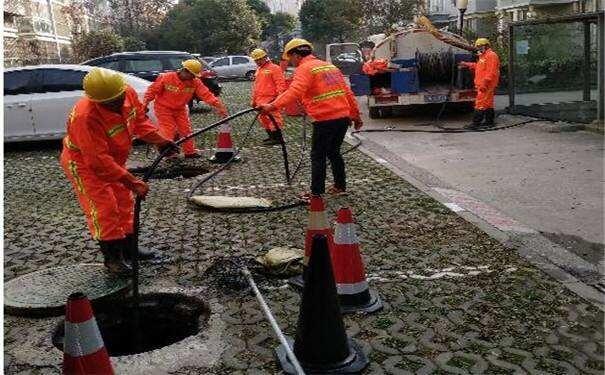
<point x="149" y="64"/>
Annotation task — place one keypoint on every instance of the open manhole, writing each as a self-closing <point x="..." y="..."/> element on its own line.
<point x="169" y="171"/>
<point x="164" y="319"/>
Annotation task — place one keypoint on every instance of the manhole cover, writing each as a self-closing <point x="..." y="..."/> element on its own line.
<point x="163" y="319"/>
<point x="45" y="292"/>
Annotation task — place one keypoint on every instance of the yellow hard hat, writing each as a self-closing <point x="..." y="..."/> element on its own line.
<point x="257" y="54"/>
<point x="193" y="66"/>
<point x="295" y="43"/>
<point x="102" y="85"/>
<point x="481" y="42"/>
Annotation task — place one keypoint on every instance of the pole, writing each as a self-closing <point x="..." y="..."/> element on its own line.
<point x="511" y="70"/>
<point x="271" y="319"/>
<point x="461" y="26"/>
<point x="586" y="62"/>
<point x="601" y="68"/>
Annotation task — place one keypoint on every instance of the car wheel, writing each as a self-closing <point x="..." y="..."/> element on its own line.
<point x="250" y="75"/>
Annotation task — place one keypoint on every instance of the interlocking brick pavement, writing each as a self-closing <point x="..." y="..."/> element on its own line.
<point x="511" y="320"/>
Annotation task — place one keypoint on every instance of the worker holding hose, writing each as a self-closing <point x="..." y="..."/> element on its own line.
<point x="171" y="92"/>
<point x="269" y="82"/>
<point x="487" y="76"/>
<point x="100" y="130"/>
<point x="329" y="101"/>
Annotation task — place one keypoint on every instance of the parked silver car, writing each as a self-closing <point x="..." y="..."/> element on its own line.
<point x="37" y="99"/>
<point x="234" y="67"/>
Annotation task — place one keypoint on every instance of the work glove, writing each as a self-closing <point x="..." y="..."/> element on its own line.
<point x="137" y="186"/>
<point x="169" y="146"/>
<point x="357" y="123"/>
<point x="266" y="108"/>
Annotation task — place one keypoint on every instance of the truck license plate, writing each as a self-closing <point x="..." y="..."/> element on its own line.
<point x="435" y="98"/>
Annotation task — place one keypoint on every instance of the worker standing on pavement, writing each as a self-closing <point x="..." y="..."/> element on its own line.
<point x="269" y="82"/>
<point x="487" y="77"/>
<point x="100" y="130"/>
<point x="171" y="92"/>
<point x="329" y="101"/>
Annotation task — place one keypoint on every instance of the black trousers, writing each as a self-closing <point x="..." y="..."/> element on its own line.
<point x="327" y="140"/>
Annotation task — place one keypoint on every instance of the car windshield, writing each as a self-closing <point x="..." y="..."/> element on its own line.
<point x="175" y="62"/>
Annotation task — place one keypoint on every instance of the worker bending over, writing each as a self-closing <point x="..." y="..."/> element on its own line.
<point x="100" y="130"/>
<point x="269" y="82"/>
<point x="487" y="77"/>
<point x="329" y="102"/>
<point x="171" y="92"/>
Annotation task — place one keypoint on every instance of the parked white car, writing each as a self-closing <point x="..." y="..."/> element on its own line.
<point x="234" y="67"/>
<point x="37" y="99"/>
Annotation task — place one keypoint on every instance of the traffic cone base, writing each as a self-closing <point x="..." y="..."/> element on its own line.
<point x="368" y="302"/>
<point x="223" y="157"/>
<point x="353" y="364"/>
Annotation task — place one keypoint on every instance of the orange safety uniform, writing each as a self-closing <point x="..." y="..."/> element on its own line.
<point x="171" y="95"/>
<point x="95" y="150"/>
<point x="487" y="77"/>
<point x="322" y="90"/>
<point x="269" y="82"/>
<point x="375" y="66"/>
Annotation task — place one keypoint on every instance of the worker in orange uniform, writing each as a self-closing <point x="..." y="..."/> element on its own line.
<point x="171" y="92"/>
<point x="487" y="77"/>
<point x="329" y="101"/>
<point x="269" y="82"/>
<point x="100" y="130"/>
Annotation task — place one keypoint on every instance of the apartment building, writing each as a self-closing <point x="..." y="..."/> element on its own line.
<point x="486" y="17"/>
<point x="38" y="31"/>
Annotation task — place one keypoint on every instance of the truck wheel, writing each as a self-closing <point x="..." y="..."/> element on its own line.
<point x="374" y="112"/>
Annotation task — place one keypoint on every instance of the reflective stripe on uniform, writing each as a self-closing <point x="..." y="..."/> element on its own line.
<point x="354" y="288"/>
<point x="323" y="68"/>
<point x="70" y="145"/>
<point x="132" y="114"/>
<point x="345" y="234"/>
<point x="329" y="95"/>
<point x="82" y="339"/>
<point x="171" y="88"/>
<point x="73" y="169"/>
<point x="116" y="129"/>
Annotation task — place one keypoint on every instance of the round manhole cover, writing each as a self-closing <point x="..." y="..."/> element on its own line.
<point x="45" y="292"/>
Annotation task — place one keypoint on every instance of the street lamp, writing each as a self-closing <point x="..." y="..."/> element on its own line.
<point x="461" y="5"/>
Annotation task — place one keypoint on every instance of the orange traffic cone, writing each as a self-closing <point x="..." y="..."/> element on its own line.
<point x="321" y="344"/>
<point x="84" y="352"/>
<point x="318" y="224"/>
<point x="224" y="146"/>
<point x="354" y="293"/>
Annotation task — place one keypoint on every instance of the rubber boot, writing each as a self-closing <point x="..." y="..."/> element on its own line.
<point x="144" y="254"/>
<point x="489" y="118"/>
<point x="268" y="139"/>
<point x="113" y="252"/>
<point x="275" y="138"/>
<point x="478" y="116"/>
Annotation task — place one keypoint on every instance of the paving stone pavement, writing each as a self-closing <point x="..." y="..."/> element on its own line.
<point x="472" y="306"/>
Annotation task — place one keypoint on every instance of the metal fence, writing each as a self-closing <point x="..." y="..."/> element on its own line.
<point x="555" y="68"/>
